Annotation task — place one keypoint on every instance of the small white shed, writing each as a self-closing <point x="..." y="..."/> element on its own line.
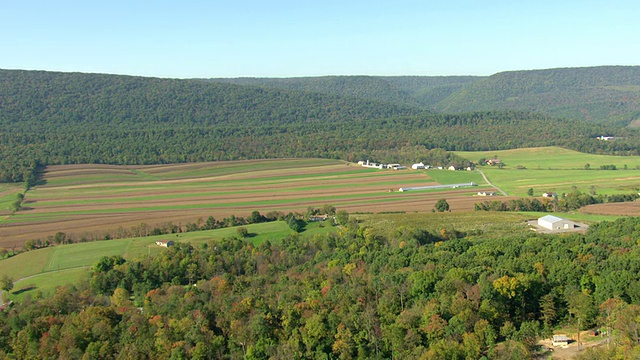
<point x="561" y="340"/>
<point x="555" y="223"/>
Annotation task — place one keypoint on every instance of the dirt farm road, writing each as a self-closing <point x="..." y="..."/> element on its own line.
<point x="490" y="184"/>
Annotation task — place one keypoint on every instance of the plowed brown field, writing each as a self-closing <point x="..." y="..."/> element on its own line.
<point x="626" y="208"/>
<point x="94" y="200"/>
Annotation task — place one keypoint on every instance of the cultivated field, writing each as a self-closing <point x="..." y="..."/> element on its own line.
<point x="92" y="200"/>
<point x="553" y="169"/>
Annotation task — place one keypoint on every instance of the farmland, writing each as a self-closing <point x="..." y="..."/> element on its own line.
<point x="45" y="269"/>
<point x="557" y="170"/>
<point x="91" y="201"/>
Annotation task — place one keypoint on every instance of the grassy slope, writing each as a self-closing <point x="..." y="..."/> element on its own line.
<point x="558" y="170"/>
<point x="8" y="194"/>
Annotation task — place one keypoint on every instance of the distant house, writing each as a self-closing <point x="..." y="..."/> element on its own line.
<point x="396" y="167"/>
<point x="487" y="193"/>
<point x="165" y="243"/>
<point x="317" y="218"/>
<point x="452" y="168"/>
<point x="549" y="194"/>
<point x="469" y="168"/>
<point x="418" y="166"/>
<point x="555" y="223"/>
<point x="561" y="340"/>
<point x="492" y="162"/>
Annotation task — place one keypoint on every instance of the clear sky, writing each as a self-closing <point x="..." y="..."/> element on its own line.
<point x="284" y="38"/>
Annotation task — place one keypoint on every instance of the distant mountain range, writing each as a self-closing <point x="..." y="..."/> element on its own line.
<point x="60" y="118"/>
<point x="605" y="94"/>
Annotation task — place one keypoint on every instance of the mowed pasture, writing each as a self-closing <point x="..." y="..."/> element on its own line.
<point x="553" y="169"/>
<point x="91" y="201"/>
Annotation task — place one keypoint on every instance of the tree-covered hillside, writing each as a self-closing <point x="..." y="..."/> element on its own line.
<point x="356" y="293"/>
<point x="62" y="118"/>
<point x="430" y="90"/>
<point x="356" y="87"/>
<point x="421" y="91"/>
<point x="47" y="98"/>
<point x="598" y="94"/>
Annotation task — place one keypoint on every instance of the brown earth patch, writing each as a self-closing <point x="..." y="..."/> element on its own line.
<point x="625" y="208"/>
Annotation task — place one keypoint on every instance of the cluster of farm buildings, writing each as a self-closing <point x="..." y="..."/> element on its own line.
<point x="417" y="166"/>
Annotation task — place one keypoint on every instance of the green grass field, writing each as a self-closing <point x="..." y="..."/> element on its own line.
<point x="8" y="195"/>
<point x="553" y="169"/>
<point x="552" y="157"/>
<point x="455" y="177"/>
<point x="45" y="269"/>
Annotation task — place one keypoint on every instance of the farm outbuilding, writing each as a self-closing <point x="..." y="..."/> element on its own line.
<point x="555" y="223"/>
<point x="165" y="243"/>
<point x="418" y="166"/>
<point x="561" y="340"/>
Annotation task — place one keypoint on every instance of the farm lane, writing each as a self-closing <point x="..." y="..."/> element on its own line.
<point x="490" y="184"/>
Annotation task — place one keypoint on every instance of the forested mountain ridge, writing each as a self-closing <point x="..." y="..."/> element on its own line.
<point x="71" y="118"/>
<point x="599" y="94"/>
<point x="75" y="98"/>
<point x="606" y="94"/>
<point x="421" y="91"/>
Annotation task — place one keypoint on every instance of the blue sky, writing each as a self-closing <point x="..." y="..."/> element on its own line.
<point x="206" y="39"/>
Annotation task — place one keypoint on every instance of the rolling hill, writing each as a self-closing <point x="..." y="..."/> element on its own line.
<point x="597" y="94"/>
<point x="605" y="94"/>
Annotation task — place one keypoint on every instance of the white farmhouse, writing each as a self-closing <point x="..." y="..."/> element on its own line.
<point x="418" y="166"/>
<point x="555" y="223"/>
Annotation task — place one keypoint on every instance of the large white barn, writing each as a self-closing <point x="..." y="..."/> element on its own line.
<point x="555" y="223"/>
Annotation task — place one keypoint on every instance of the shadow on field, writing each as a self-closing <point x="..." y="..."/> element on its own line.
<point x="25" y="289"/>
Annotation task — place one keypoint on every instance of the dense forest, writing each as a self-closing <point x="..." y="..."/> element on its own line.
<point x="608" y="94"/>
<point x="62" y="118"/>
<point x="423" y="91"/>
<point x="353" y="294"/>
